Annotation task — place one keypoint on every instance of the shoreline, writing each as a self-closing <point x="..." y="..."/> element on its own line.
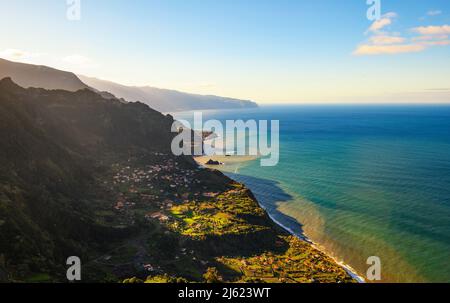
<point x="352" y="272"/>
<point x="224" y="160"/>
<point x="315" y="245"/>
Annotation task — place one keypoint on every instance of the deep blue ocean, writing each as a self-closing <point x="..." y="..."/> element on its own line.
<point x="360" y="181"/>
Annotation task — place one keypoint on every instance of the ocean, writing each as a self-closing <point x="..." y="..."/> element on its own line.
<point x="360" y="181"/>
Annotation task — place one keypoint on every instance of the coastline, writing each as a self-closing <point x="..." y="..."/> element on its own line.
<point x="317" y="246"/>
<point x="235" y="159"/>
<point x="227" y="163"/>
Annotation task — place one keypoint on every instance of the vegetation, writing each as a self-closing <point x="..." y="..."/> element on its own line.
<point x="212" y="276"/>
<point x="217" y="216"/>
<point x="301" y="263"/>
<point x="85" y="176"/>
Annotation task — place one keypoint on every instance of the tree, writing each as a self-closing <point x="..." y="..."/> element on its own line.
<point x="212" y="276"/>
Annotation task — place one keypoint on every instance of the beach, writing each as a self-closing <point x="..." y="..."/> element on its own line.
<point x="231" y="164"/>
<point x="225" y="163"/>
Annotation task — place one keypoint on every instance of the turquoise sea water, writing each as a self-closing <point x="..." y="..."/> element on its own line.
<point x="360" y="181"/>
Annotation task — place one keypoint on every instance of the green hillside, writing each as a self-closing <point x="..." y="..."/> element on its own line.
<point x="89" y="177"/>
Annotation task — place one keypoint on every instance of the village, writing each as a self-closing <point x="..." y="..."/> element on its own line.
<point x="153" y="188"/>
<point x="187" y="222"/>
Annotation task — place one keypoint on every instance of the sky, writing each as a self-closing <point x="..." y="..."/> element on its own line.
<point x="298" y="51"/>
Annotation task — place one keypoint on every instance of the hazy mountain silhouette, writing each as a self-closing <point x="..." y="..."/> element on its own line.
<point x="163" y="100"/>
<point x="166" y="100"/>
<point x="39" y="76"/>
<point x="28" y="75"/>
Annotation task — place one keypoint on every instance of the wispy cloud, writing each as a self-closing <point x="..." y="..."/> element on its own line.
<point x="382" y="23"/>
<point x="432" y="30"/>
<point x="367" y="49"/>
<point x="74" y="62"/>
<point x="381" y="42"/>
<point x="430" y="38"/>
<point x="386" y="40"/>
<point x="431" y="14"/>
<point x="18" y="55"/>
<point x="432" y="35"/>
<point x="434" y="12"/>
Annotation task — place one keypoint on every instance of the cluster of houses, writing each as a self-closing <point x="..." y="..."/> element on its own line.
<point x="161" y="217"/>
<point x="156" y="188"/>
<point x="123" y="204"/>
<point x="151" y="175"/>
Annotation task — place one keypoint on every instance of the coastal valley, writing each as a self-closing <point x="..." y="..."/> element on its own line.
<point x="90" y="177"/>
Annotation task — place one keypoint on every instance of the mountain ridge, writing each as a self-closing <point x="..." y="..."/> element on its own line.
<point x="40" y="76"/>
<point x="167" y="100"/>
<point x="163" y="100"/>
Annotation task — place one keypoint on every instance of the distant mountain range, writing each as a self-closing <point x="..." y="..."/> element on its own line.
<point x="163" y="100"/>
<point x="166" y="100"/>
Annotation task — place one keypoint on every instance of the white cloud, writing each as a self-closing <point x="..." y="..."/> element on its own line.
<point x="432" y="35"/>
<point x="18" y="55"/>
<point x="75" y="62"/>
<point x="432" y="30"/>
<point x="381" y="42"/>
<point x="434" y="13"/>
<point x="385" y="20"/>
<point x="386" y="39"/>
<point x="380" y="24"/>
<point x="429" y="38"/>
<point x="368" y="49"/>
<point x="390" y="15"/>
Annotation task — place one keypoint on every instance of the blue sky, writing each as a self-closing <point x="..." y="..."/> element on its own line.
<point x="268" y="51"/>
